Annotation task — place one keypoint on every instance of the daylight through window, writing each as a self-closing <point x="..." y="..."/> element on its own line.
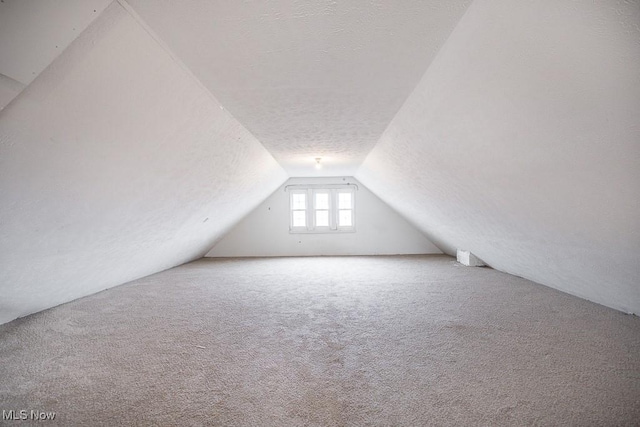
<point x="322" y="210"/>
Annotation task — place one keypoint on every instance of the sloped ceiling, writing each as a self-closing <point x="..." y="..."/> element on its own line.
<point x="522" y="144"/>
<point x="33" y="33"/>
<point x="307" y="78"/>
<point x="142" y="141"/>
<point x="115" y="163"/>
<point x="9" y="89"/>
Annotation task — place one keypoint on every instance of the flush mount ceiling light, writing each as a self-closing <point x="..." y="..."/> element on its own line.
<point x="318" y="165"/>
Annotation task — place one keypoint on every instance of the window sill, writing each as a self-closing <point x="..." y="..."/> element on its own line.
<point x="353" y="230"/>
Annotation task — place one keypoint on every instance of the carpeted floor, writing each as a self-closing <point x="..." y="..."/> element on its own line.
<point x="347" y="341"/>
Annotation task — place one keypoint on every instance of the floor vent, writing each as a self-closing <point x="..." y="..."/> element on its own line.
<point x="469" y="259"/>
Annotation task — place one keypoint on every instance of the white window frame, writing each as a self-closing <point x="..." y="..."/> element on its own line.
<point x="334" y="212"/>
<point x="292" y="210"/>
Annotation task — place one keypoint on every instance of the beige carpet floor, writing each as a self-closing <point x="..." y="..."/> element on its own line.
<point x="345" y="341"/>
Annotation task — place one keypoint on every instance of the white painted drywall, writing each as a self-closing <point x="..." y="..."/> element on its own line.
<point x="379" y="230"/>
<point x="307" y="78"/>
<point x="9" y="89"/>
<point x="115" y="163"/>
<point x="522" y="144"/>
<point x="34" y="32"/>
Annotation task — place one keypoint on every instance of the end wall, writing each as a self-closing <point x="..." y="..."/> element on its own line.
<point x="379" y="230"/>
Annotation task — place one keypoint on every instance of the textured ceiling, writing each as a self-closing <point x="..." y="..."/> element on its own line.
<point x="308" y="79"/>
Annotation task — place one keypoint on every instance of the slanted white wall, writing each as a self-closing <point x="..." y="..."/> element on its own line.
<point x="34" y="33"/>
<point x="9" y="89"/>
<point x="522" y="145"/>
<point x="115" y="163"/>
<point x="379" y="230"/>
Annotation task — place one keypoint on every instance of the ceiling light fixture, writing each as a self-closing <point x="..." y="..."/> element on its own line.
<point x="318" y="165"/>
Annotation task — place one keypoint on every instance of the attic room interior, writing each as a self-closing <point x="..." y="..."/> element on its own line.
<point x="319" y="213"/>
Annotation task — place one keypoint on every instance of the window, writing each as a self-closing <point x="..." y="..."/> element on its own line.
<point x="322" y="210"/>
<point x="345" y="209"/>
<point x="299" y="209"/>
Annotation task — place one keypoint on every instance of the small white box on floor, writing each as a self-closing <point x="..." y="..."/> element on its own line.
<point x="469" y="259"/>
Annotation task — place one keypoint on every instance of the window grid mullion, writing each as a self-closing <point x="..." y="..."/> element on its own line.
<point x="311" y="220"/>
<point x="331" y="212"/>
<point x="334" y="209"/>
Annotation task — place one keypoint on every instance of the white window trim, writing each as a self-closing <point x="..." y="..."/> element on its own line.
<point x="291" y="210"/>
<point x="310" y="227"/>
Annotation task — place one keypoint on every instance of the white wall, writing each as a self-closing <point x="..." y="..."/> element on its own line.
<point x="379" y="230"/>
<point x="522" y="144"/>
<point x="9" y="89"/>
<point x="115" y="163"/>
<point x="33" y="33"/>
